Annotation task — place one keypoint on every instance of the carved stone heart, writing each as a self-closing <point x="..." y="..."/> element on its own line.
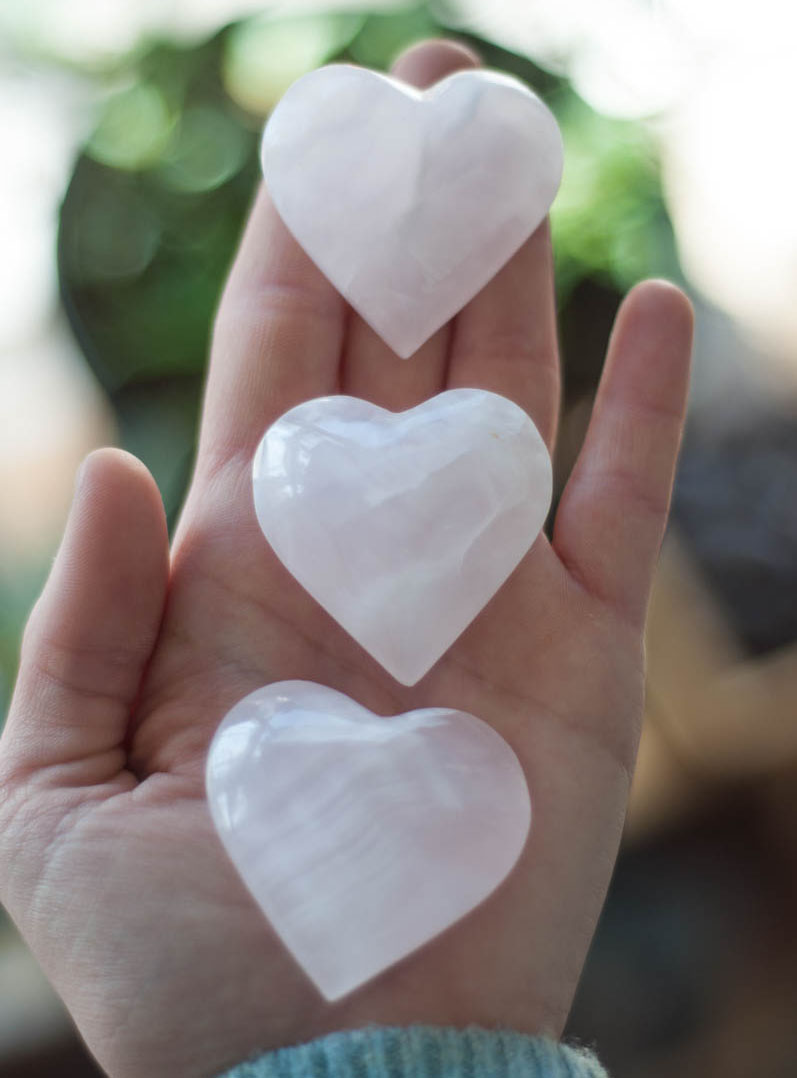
<point x="402" y="526"/>
<point x="362" y="837"/>
<point x="409" y="201"/>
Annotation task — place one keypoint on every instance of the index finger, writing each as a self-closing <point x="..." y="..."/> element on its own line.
<point x="277" y="338"/>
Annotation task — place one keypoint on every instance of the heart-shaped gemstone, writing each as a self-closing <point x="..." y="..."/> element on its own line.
<point x="362" y="837"/>
<point x="410" y="201"/>
<point x="403" y="525"/>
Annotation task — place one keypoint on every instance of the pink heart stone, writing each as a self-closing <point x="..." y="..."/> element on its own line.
<point x="361" y="837"/>
<point x="403" y="525"/>
<point x="410" y="201"/>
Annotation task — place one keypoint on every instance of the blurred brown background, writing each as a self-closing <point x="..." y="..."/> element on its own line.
<point x="131" y="130"/>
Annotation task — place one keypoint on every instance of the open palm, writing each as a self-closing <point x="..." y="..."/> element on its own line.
<point x="108" y="860"/>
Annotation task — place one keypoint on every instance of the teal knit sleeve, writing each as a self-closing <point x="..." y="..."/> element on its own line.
<point x="424" y="1052"/>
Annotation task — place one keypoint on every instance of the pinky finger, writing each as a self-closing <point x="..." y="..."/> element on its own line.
<point x="614" y="508"/>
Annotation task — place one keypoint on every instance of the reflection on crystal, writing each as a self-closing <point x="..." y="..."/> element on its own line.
<point x="360" y="847"/>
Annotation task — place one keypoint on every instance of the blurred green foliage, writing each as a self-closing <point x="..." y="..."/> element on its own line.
<point x="158" y="196"/>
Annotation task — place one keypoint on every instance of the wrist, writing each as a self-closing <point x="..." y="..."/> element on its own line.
<point x="424" y="1052"/>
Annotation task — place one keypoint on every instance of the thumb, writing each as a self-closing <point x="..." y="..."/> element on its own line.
<point x="92" y="631"/>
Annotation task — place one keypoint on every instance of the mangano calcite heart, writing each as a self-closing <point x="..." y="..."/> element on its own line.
<point x="403" y="525"/>
<point x="410" y="201"/>
<point x="362" y="837"/>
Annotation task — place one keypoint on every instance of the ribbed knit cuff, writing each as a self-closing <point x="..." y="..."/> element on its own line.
<point x="424" y="1052"/>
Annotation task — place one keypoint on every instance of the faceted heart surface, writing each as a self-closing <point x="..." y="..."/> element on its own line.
<point x="403" y="525"/>
<point x="409" y="201"/>
<point x="362" y="837"/>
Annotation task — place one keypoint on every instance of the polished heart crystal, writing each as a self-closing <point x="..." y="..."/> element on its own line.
<point x="410" y="201"/>
<point x="403" y="525"/>
<point x="362" y="837"/>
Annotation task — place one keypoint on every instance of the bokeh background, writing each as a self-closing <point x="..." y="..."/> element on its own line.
<point x="130" y="131"/>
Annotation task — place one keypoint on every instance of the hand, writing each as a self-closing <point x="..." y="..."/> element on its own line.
<point x="108" y="860"/>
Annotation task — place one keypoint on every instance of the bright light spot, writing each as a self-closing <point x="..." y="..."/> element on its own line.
<point x="626" y="59"/>
<point x="719" y="75"/>
<point x="81" y="31"/>
<point x="634" y="63"/>
<point x="264" y="56"/>
<point x="134" y="129"/>
<point x="731" y="175"/>
<point x="38" y="121"/>
<point x="50" y="411"/>
<point x="208" y="149"/>
<point x="95" y="32"/>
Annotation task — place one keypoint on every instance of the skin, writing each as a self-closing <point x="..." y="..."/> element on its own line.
<point x="108" y="860"/>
